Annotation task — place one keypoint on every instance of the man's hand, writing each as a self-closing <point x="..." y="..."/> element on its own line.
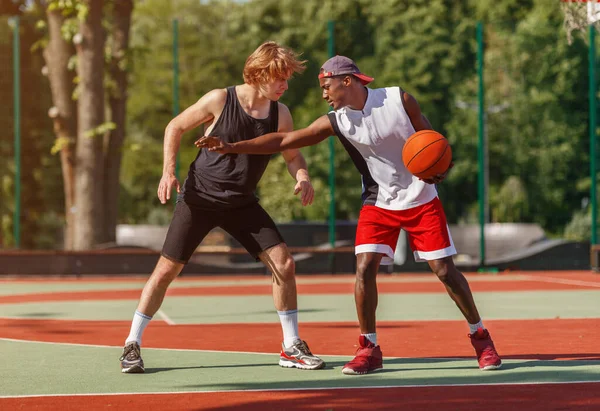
<point x="307" y="192"/>
<point x="438" y="178"/>
<point x="167" y="182"/>
<point x="213" y="144"/>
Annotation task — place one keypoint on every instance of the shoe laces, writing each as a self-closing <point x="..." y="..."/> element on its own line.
<point x="488" y="351"/>
<point x="484" y="346"/>
<point x="303" y="347"/>
<point x="131" y="352"/>
<point x="368" y="347"/>
<point x="364" y="350"/>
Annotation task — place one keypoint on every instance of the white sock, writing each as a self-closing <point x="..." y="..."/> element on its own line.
<point x="371" y="337"/>
<point x="139" y="323"/>
<point x="289" y="325"/>
<point x="473" y="327"/>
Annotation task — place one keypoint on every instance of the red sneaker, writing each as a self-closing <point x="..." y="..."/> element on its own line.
<point x="368" y="358"/>
<point x="487" y="357"/>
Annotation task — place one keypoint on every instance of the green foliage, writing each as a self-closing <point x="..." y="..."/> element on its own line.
<point x="510" y="203"/>
<point x="74" y="12"/>
<point x="536" y="124"/>
<point x="160" y="216"/>
<point x="50" y="232"/>
<point x="536" y="119"/>
<point x="100" y="130"/>
<point x="41" y="185"/>
<point x="141" y="172"/>
<point x="276" y="194"/>
<point x="60" y="143"/>
<point x="536" y="99"/>
<point x="580" y="226"/>
<point x="6" y="212"/>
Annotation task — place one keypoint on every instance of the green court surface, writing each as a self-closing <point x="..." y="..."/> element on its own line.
<point x="16" y="286"/>
<point x="72" y="369"/>
<point x="324" y="307"/>
<point x="7" y="288"/>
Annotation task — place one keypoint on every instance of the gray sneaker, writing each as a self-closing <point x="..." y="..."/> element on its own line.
<point x="299" y="356"/>
<point x="131" y="359"/>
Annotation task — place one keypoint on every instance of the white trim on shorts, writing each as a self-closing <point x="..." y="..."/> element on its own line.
<point x="385" y="249"/>
<point x="423" y="256"/>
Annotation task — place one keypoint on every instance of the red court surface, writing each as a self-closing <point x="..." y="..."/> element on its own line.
<point x="404" y="285"/>
<point x="531" y="397"/>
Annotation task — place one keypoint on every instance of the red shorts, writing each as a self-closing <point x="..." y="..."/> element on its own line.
<point x="428" y="233"/>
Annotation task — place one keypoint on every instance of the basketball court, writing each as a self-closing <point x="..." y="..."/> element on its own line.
<point x="214" y="345"/>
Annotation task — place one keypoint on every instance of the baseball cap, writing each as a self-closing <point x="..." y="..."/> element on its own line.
<point x="338" y="65"/>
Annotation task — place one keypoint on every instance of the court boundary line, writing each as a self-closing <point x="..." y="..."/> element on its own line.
<point x="165" y="317"/>
<point x="369" y="387"/>
<point x="154" y="348"/>
<point x="263" y="353"/>
<point x="60" y="319"/>
<point x="561" y="281"/>
<point x="489" y="319"/>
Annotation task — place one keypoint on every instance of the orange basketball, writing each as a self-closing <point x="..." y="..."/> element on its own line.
<point x="426" y="154"/>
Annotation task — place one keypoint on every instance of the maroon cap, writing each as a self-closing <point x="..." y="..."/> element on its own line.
<point x="339" y="65"/>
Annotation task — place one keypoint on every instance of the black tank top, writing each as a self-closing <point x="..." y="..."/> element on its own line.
<point x="230" y="180"/>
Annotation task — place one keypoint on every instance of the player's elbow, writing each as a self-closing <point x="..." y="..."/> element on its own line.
<point x="174" y="128"/>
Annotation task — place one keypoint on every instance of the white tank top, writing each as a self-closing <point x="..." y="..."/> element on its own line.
<point x="374" y="138"/>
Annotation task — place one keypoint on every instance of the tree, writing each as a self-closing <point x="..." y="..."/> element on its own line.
<point x="118" y="68"/>
<point x="57" y="54"/>
<point x="90" y="146"/>
<point x="540" y="134"/>
<point x="90" y="117"/>
<point x="530" y="72"/>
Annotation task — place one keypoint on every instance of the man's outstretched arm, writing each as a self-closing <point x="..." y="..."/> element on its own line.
<point x="271" y="143"/>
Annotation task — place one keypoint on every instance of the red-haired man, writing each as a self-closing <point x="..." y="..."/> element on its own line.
<point x="219" y="191"/>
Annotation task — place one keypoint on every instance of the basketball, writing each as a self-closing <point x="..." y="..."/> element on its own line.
<point x="426" y="154"/>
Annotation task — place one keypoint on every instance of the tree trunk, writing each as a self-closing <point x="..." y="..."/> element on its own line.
<point x="90" y="115"/>
<point x="57" y="54"/>
<point x="118" y="106"/>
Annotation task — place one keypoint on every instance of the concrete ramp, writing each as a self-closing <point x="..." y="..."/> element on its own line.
<point x="508" y="246"/>
<point x="501" y="239"/>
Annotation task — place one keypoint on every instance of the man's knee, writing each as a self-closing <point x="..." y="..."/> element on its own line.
<point x="280" y="262"/>
<point x="444" y="269"/>
<point x="366" y="266"/>
<point x="285" y="267"/>
<point x="166" y="271"/>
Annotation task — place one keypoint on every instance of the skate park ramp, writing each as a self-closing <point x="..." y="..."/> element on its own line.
<point x="507" y="246"/>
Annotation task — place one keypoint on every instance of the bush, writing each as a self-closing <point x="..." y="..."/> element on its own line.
<point x="580" y="226"/>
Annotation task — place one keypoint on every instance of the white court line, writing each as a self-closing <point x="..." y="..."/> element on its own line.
<point x="9" y="317"/>
<point x="561" y="281"/>
<point x="165" y="317"/>
<point x="303" y="389"/>
<point x="260" y="353"/>
<point x="151" y="348"/>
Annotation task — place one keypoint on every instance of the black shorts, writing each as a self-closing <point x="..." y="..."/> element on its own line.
<point x="251" y="226"/>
